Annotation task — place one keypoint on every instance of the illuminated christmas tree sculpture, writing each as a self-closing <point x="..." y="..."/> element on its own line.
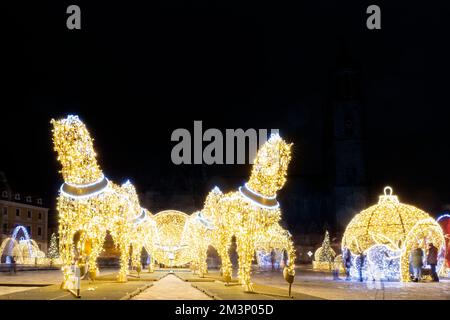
<point x="53" y="252"/>
<point x="324" y="255"/>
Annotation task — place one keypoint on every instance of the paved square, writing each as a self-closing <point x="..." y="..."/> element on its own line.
<point x="183" y="284"/>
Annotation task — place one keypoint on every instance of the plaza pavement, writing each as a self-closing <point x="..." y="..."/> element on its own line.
<point x="322" y="285"/>
<point x="22" y="286"/>
<point x="171" y="287"/>
<point x="268" y="285"/>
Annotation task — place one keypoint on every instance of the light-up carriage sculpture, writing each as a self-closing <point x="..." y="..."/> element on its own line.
<point x="251" y="212"/>
<point x="24" y="249"/>
<point x="383" y="236"/>
<point x="89" y="205"/>
<point x="169" y="244"/>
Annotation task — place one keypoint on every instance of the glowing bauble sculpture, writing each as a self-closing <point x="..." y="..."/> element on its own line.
<point x="24" y="249"/>
<point x="444" y="221"/>
<point x="383" y="235"/>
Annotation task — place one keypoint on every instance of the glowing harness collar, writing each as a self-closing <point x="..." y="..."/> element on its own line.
<point x="84" y="190"/>
<point x="259" y="199"/>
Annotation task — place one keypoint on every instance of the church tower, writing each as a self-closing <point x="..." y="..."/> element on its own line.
<point x="348" y="154"/>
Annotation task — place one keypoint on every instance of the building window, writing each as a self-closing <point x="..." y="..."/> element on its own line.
<point x="5" y="211"/>
<point x="39" y="201"/>
<point x="5" y="228"/>
<point x="39" y="231"/>
<point x="28" y="230"/>
<point x="28" y="199"/>
<point x="5" y="194"/>
<point x="17" y="196"/>
<point x="17" y="212"/>
<point x="40" y="216"/>
<point x="29" y="214"/>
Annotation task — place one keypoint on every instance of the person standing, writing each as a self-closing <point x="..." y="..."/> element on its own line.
<point x="417" y="263"/>
<point x="13" y="267"/>
<point x="272" y="259"/>
<point x="347" y="260"/>
<point x="432" y="258"/>
<point x="361" y="266"/>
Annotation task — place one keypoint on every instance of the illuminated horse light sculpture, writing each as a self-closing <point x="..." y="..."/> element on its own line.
<point x="89" y="205"/>
<point x="252" y="214"/>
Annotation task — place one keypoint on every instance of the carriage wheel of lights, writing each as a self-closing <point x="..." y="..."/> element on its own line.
<point x="89" y="205"/>
<point x="382" y="236"/>
<point x="250" y="212"/>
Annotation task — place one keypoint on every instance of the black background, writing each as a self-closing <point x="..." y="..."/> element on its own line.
<point x="138" y="70"/>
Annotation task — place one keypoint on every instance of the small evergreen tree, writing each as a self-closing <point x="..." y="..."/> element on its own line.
<point x="53" y="251"/>
<point x="327" y="253"/>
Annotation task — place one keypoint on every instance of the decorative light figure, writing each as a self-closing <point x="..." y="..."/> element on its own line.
<point x="170" y="247"/>
<point x="250" y="213"/>
<point x="89" y="205"/>
<point x="384" y="235"/>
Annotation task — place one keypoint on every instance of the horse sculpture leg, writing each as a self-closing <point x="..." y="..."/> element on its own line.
<point x="245" y="251"/>
<point x="202" y="266"/>
<point x="124" y="258"/>
<point x="66" y="253"/>
<point x="97" y="246"/>
<point x="222" y="250"/>
<point x="136" y="258"/>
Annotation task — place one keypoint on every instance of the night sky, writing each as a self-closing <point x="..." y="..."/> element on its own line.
<point x="135" y="72"/>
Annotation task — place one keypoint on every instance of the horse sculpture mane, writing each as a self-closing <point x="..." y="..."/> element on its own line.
<point x="75" y="149"/>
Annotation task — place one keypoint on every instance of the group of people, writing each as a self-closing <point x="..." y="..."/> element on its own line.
<point x="416" y="260"/>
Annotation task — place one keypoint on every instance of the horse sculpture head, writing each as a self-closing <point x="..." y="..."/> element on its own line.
<point x="75" y="150"/>
<point x="270" y="166"/>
